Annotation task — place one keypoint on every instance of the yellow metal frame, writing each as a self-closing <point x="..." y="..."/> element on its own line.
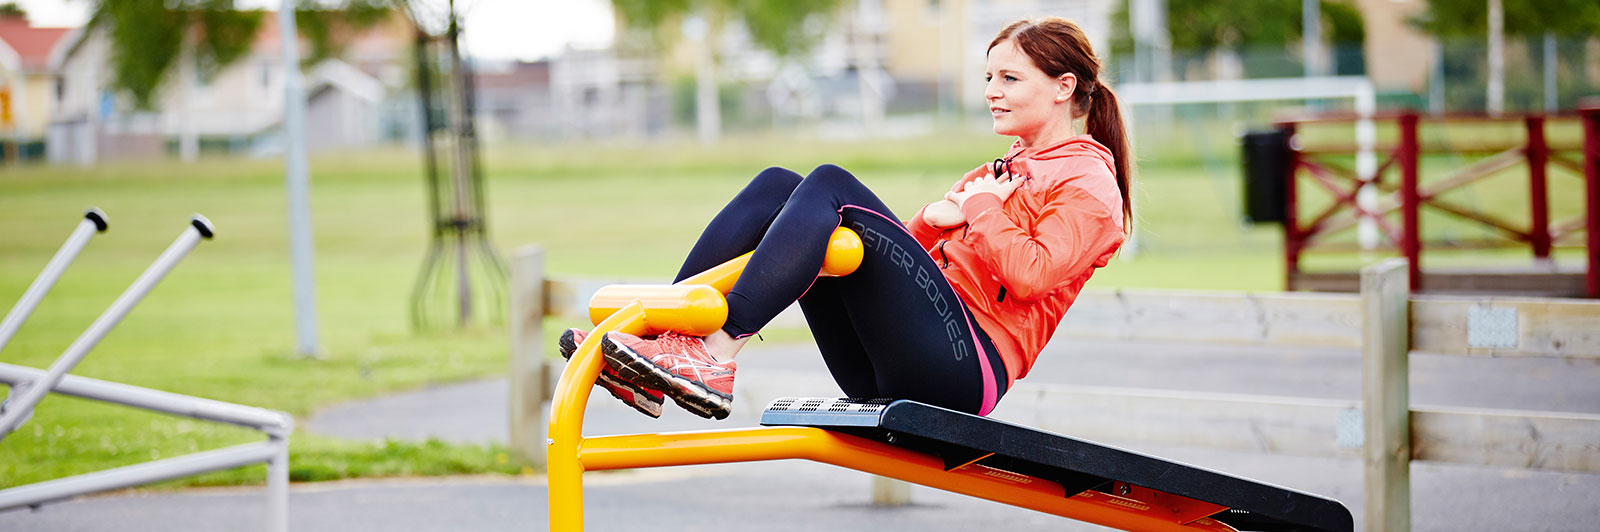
<point x="570" y="454"/>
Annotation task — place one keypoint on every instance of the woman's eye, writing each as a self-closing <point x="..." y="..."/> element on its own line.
<point x="1011" y="78"/>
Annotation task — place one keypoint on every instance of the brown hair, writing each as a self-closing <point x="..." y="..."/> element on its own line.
<point x="1057" y="46"/>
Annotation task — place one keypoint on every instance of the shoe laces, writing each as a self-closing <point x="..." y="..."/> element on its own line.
<point x="685" y="345"/>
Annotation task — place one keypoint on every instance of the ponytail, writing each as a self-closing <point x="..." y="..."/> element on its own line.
<point x="1057" y="47"/>
<point x="1105" y="125"/>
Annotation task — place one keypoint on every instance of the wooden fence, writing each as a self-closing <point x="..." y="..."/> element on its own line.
<point x="1384" y="321"/>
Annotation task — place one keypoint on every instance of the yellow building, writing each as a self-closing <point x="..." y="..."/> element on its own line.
<point x="27" y="87"/>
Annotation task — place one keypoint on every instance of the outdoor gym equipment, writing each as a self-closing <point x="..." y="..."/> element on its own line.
<point x="463" y="279"/>
<point x="93" y="222"/>
<point x="910" y="441"/>
<point x="29" y="386"/>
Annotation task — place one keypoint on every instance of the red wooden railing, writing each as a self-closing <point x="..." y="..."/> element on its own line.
<point x="1343" y="184"/>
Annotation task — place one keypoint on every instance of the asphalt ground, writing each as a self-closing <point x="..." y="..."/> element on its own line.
<point x="795" y="495"/>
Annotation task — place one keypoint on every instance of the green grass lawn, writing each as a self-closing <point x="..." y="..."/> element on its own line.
<point x="220" y="326"/>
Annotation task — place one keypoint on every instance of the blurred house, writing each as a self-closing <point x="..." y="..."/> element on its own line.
<point x="600" y="94"/>
<point x="579" y="93"/>
<point x="513" y="100"/>
<point x="343" y="106"/>
<point x="26" y="84"/>
<point x="872" y="58"/>
<point x="238" y="109"/>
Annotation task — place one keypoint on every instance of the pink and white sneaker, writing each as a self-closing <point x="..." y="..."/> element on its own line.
<point x="647" y="402"/>
<point x="676" y="364"/>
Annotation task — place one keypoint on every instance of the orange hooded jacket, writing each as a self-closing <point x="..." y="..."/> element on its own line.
<point x="1020" y="264"/>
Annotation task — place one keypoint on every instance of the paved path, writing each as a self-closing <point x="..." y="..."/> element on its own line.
<point x="783" y="496"/>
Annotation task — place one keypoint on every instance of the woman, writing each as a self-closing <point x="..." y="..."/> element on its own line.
<point x="948" y="309"/>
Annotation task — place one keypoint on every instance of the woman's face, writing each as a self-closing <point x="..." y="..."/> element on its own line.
<point x="1023" y="99"/>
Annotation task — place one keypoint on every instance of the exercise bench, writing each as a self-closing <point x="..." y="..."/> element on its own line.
<point x="906" y="440"/>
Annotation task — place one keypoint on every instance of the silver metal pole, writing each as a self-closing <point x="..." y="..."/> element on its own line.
<point x="19" y="409"/>
<point x="278" y="485"/>
<point x="1311" y="36"/>
<point x="296" y="176"/>
<point x="135" y="475"/>
<point x="1551" y="98"/>
<point x="1497" y="58"/>
<point x="1436" y="80"/>
<point x="93" y="222"/>
<point x="268" y="421"/>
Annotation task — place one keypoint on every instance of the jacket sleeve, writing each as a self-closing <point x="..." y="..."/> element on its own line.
<point x="928" y="235"/>
<point x="1074" y="231"/>
<point x="925" y="234"/>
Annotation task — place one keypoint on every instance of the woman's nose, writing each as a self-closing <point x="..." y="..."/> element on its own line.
<point x="990" y="92"/>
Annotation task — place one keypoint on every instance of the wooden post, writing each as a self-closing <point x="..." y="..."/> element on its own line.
<point x="527" y="376"/>
<point x="890" y="492"/>
<point x="1386" y="410"/>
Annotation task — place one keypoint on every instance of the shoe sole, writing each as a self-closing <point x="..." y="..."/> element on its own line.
<point x="568" y="344"/>
<point x="692" y="396"/>
<point x="649" y="406"/>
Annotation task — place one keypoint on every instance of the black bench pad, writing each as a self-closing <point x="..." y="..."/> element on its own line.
<point x="1078" y="465"/>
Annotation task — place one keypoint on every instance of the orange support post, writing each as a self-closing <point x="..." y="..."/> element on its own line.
<point x="565" y="467"/>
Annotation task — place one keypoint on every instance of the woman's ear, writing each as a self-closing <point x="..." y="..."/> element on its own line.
<point x="1065" y="85"/>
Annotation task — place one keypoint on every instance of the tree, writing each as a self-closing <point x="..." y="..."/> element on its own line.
<point x="1205" y="26"/>
<point x="1470" y="18"/>
<point x="148" y="38"/>
<point x="779" y="27"/>
<point x="12" y="10"/>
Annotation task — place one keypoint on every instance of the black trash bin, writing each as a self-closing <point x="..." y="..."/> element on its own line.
<point x="1266" y="168"/>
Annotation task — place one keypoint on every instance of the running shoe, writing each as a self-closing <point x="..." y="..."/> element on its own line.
<point x="647" y="402"/>
<point x="676" y="364"/>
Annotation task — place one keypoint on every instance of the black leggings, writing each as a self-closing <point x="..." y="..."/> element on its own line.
<point x="894" y="328"/>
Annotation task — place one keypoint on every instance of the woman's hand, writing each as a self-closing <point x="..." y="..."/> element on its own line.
<point x="988" y="184"/>
<point x="943" y="214"/>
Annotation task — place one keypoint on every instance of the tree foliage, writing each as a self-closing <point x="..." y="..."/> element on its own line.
<point x="1206" y="25"/>
<point x="148" y="36"/>
<point x="328" y="29"/>
<point x="777" y="26"/>
<point x="1470" y="18"/>
<point x="782" y="27"/>
<point x="12" y="10"/>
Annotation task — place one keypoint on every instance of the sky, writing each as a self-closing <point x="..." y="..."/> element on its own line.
<point x="494" y="29"/>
